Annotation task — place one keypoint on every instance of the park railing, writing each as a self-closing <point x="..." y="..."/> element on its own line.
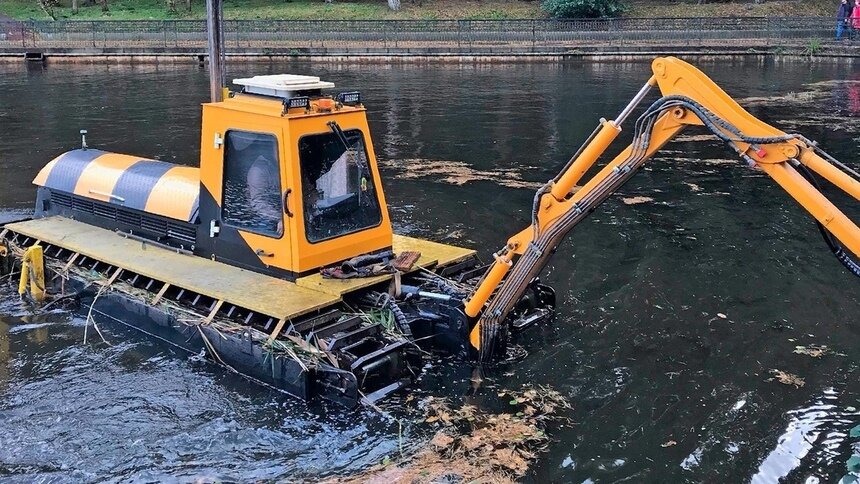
<point x="465" y="35"/>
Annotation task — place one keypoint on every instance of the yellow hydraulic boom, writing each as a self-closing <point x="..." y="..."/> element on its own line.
<point x="689" y="97"/>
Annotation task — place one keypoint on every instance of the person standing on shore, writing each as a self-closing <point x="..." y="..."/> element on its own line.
<point x="842" y="16"/>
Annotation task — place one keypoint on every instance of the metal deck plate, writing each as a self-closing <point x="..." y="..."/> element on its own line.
<point x="270" y="296"/>
<point x="432" y="254"/>
<point x="443" y="254"/>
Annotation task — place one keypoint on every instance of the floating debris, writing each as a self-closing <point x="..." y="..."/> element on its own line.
<point x="457" y="172"/>
<point x="815" y="351"/>
<point x="788" y="98"/>
<point x="841" y="117"/>
<point x="445" y="234"/>
<point x="473" y="446"/>
<point x="636" y="200"/>
<point x="693" y="187"/>
<point x="787" y="378"/>
<point x="669" y="443"/>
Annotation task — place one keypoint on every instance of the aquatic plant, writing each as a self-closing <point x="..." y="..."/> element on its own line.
<point x="813" y="47"/>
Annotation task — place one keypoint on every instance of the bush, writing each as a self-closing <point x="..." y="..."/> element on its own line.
<point x="583" y="8"/>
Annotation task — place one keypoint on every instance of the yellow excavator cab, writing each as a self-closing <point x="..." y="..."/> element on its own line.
<point x="288" y="182"/>
<point x="289" y="178"/>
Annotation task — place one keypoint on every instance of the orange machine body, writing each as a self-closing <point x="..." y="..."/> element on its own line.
<point x="321" y="193"/>
<point x="291" y="249"/>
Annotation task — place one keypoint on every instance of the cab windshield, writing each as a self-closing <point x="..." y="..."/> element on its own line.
<point x="338" y="193"/>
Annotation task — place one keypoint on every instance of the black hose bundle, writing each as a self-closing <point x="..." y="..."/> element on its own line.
<point x="831" y="241"/>
<point x="384" y="300"/>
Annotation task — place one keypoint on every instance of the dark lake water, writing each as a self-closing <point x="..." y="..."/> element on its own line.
<point x="673" y="311"/>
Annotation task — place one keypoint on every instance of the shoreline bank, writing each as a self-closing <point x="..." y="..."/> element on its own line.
<point x="489" y="55"/>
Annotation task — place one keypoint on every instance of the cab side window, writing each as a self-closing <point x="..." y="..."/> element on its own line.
<point x="338" y="195"/>
<point x="252" y="183"/>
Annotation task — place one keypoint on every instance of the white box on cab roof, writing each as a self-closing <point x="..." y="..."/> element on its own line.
<point x="282" y="85"/>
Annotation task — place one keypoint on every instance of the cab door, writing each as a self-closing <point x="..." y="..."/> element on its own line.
<point x="343" y="212"/>
<point x="251" y="227"/>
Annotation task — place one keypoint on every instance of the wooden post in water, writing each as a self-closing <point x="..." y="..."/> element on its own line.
<point x="215" y="28"/>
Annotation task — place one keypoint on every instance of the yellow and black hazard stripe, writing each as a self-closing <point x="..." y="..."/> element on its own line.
<point x="152" y="186"/>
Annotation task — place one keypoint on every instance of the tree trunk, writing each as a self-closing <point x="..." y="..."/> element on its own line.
<point x="394" y="4"/>
<point x="188" y="5"/>
<point x="105" y="5"/>
<point x="171" y="6"/>
<point x="74" y="7"/>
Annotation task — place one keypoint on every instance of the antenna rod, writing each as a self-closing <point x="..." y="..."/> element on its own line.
<point x="215" y="27"/>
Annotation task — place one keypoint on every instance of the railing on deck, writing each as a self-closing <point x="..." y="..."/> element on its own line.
<point x="465" y="35"/>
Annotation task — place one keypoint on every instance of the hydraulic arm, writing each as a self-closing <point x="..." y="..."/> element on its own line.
<point x="689" y="97"/>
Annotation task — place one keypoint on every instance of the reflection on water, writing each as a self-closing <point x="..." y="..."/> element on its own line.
<point x="673" y="310"/>
<point x="139" y="408"/>
<point x="823" y="425"/>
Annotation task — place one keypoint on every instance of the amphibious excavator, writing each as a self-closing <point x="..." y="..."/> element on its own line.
<point x="277" y="257"/>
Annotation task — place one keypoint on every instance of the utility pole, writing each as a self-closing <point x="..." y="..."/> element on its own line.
<point x="215" y="28"/>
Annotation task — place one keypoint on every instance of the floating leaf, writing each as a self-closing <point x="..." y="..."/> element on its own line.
<point x="513" y="402"/>
<point x="815" y="351"/>
<point x="442" y="441"/>
<point x="848" y="479"/>
<point x="636" y="200"/>
<point x="854" y="432"/>
<point x="788" y="378"/>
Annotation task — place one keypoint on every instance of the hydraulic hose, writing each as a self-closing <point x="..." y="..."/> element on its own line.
<point x="384" y="300"/>
<point x="832" y="243"/>
<point x="534" y="258"/>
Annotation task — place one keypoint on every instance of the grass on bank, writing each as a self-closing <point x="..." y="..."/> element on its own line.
<point x="378" y="9"/>
<point x="280" y="9"/>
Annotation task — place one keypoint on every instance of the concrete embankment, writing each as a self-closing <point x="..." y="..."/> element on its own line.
<point x="451" y="41"/>
<point x="129" y="55"/>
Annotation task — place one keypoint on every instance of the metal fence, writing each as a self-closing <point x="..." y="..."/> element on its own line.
<point x="462" y="34"/>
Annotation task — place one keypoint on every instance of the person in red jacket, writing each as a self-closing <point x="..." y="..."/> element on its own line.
<point x="855" y="18"/>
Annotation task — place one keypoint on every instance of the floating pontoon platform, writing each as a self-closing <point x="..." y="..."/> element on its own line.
<point x="269" y="296"/>
<point x="311" y="309"/>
